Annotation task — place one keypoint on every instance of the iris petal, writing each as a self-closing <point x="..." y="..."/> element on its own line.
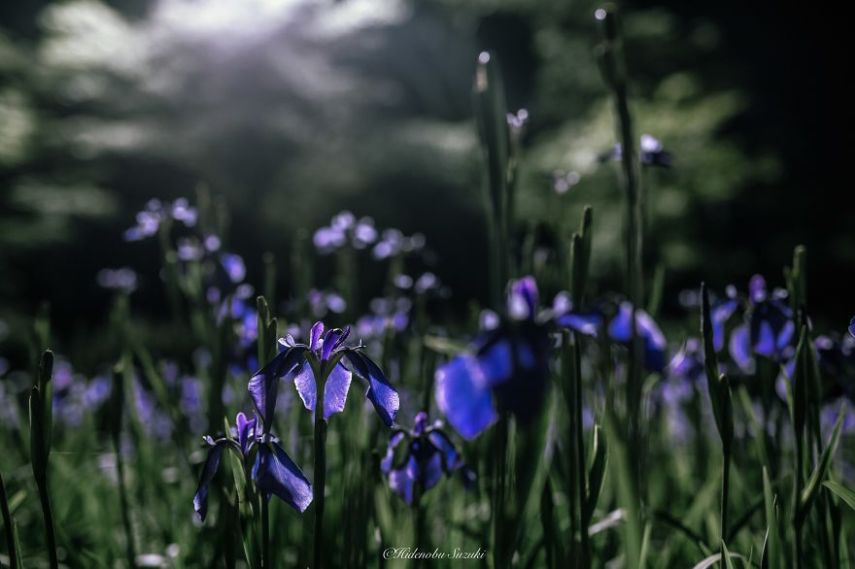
<point x="245" y="430"/>
<point x="584" y="323"/>
<point x="451" y="457"/>
<point x="335" y="390"/>
<point x="264" y="384"/>
<point x="740" y="347"/>
<point x="430" y="471"/>
<point x="464" y="397"/>
<point x="401" y="482"/>
<point x="276" y="474"/>
<point x="721" y="313"/>
<point x="382" y="395"/>
<point x="315" y="335"/>
<point x="212" y="463"/>
<point x="620" y="329"/>
<point x="388" y="459"/>
<point x="852" y="327"/>
<point x="304" y="381"/>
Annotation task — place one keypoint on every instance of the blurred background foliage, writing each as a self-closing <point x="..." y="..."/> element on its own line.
<point x="291" y="110"/>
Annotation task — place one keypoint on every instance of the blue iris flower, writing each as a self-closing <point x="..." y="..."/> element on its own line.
<point x="769" y="331"/>
<point x="273" y="471"/>
<point x="300" y="362"/>
<point x="852" y="327"/>
<point x="508" y="364"/>
<point x="620" y="330"/>
<point x="687" y="365"/>
<point x="429" y="454"/>
<point x="653" y="341"/>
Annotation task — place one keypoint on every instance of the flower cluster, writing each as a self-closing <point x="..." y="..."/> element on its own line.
<point x="273" y="471"/>
<point x="155" y="212"/>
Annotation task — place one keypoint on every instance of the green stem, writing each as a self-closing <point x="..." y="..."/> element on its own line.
<point x="320" y="470"/>
<point x="420" y="526"/>
<point x="500" y="457"/>
<point x="266" y="562"/>
<point x="8" y="528"/>
<point x="615" y="73"/>
<point x="130" y="550"/>
<point x="50" y="536"/>
<point x="585" y="560"/>
<point x="725" y="493"/>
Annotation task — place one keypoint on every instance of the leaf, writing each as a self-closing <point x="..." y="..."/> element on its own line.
<point x="491" y="112"/>
<point x="771" y="548"/>
<point x="718" y="384"/>
<point x="813" y="485"/>
<point x="581" y="251"/>
<point x="716" y="558"/>
<point x="444" y="346"/>
<point x="610" y="520"/>
<point x="692" y="535"/>
<point x="728" y="558"/>
<point x="596" y="474"/>
<point x="842" y="492"/>
<point x="626" y="495"/>
<point x="645" y="546"/>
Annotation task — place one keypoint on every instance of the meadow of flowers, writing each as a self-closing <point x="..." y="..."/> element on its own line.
<point x="556" y="426"/>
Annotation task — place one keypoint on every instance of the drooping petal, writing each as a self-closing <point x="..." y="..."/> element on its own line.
<point x="620" y="330"/>
<point x="335" y="390"/>
<point x="401" y="481"/>
<point x="304" y="381"/>
<point x="276" y="474"/>
<point x="584" y="323"/>
<point x="451" y="458"/>
<point x="464" y="396"/>
<point x="212" y="464"/>
<point x="264" y="384"/>
<point x="515" y="363"/>
<point x="740" y="347"/>
<point x="389" y="458"/>
<point x="429" y="471"/>
<point x="654" y="341"/>
<point x="719" y="316"/>
<point x="380" y="392"/>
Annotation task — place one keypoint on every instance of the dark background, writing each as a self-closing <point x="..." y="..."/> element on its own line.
<point x="789" y="66"/>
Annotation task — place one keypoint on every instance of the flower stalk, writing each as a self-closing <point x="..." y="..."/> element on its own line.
<point x="41" y="427"/>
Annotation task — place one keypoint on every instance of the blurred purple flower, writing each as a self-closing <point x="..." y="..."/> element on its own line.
<point x="507" y="365"/>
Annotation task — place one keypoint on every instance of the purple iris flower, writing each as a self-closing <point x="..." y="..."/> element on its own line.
<point x="653" y="341"/>
<point x="300" y="362"/>
<point x="507" y="365"/>
<point x="155" y="212"/>
<point x="769" y="331"/>
<point x="429" y="454"/>
<point x="852" y="327"/>
<point x="619" y="328"/>
<point x="688" y="364"/>
<point x="273" y="471"/>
